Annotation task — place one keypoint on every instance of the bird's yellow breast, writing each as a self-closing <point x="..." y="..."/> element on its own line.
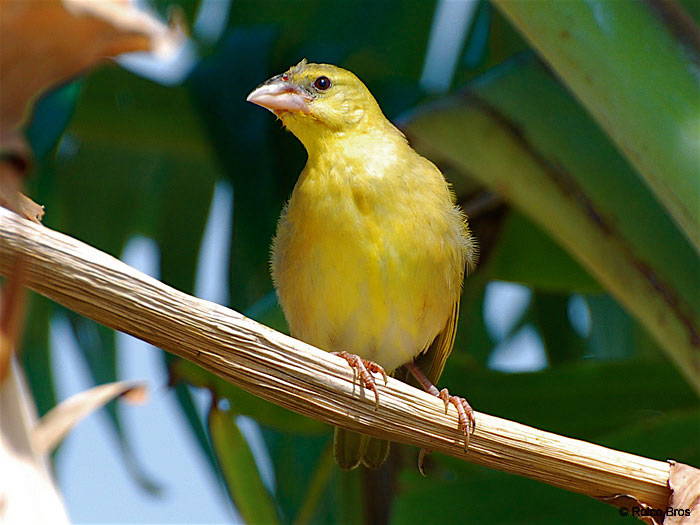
<point x="369" y="253"/>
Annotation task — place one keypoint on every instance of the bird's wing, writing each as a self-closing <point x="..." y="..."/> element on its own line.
<point x="432" y="361"/>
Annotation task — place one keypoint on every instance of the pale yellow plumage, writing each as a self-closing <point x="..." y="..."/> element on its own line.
<point x="369" y="255"/>
<point x="370" y="251"/>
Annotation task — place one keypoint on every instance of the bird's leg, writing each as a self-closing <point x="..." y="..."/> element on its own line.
<point x="465" y="413"/>
<point x="365" y="369"/>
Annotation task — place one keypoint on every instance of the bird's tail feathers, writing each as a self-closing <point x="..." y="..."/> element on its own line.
<point x="350" y="449"/>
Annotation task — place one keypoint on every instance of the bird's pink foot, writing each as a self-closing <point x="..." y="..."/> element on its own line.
<point x="465" y="414"/>
<point x="365" y="369"/>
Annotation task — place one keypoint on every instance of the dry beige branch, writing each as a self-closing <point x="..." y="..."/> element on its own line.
<point x="305" y="379"/>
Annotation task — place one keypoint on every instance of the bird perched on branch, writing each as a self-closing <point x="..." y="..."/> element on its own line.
<point x="371" y="250"/>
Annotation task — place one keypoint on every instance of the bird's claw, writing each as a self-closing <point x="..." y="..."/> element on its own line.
<point x="421" y="459"/>
<point x="465" y="414"/>
<point x="365" y="369"/>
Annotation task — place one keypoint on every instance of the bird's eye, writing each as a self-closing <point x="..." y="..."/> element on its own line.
<point x="322" y="83"/>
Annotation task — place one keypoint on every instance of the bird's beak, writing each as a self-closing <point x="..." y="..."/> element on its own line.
<point x="279" y="95"/>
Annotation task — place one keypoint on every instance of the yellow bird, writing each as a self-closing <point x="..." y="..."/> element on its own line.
<point x="370" y="251"/>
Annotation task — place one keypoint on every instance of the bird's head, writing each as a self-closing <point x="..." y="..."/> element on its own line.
<point x="316" y="100"/>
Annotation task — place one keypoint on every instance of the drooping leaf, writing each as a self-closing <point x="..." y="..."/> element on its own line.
<point x="35" y="353"/>
<point x="294" y="458"/>
<point x="97" y="347"/>
<point x="46" y="44"/>
<point x="317" y="488"/>
<point x="51" y="115"/>
<point x="245" y="485"/>
<point x="53" y="427"/>
<point x="197" y="426"/>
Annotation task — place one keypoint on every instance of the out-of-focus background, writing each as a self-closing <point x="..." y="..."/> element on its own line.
<point x="576" y="321"/>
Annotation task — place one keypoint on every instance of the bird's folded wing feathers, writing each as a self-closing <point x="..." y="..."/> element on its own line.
<point x="432" y="361"/>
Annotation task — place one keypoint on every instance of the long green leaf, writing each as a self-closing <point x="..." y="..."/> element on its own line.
<point x="36" y="357"/>
<point x="519" y="132"/>
<point x="97" y="347"/>
<point x="197" y="427"/>
<point x="317" y="487"/>
<point x="180" y="226"/>
<point x="296" y="458"/>
<point x="634" y="65"/>
<point x="51" y="115"/>
<point x="245" y="485"/>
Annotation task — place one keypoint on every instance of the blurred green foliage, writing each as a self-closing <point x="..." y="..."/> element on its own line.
<point x="119" y="155"/>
